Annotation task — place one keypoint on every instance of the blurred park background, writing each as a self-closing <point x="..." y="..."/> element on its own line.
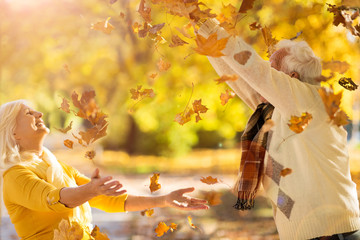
<point x="48" y="49"/>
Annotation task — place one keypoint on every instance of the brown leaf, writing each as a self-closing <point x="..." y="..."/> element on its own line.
<point x="68" y="143"/>
<point x="147" y="212"/>
<point x="163" y="66"/>
<point x="90" y="154"/>
<point x="285" y="172"/>
<point x="177" y="41"/>
<point x="298" y="124"/>
<point x="156" y="28"/>
<point x="242" y="57"/>
<point x="65" y="106"/>
<point x="348" y="83"/>
<point x="209" y="180"/>
<point x="225" y="97"/>
<point x="198" y="107"/>
<point x="103" y="26"/>
<point x="246" y="5"/>
<point x="152" y="75"/>
<point x="269" y="40"/>
<point x="323" y="78"/>
<point x="65" y="130"/>
<point x="340" y="118"/>
<point x="184" y="117"/>
<point x="336" y="66"/>
<point x="213" y="198"/>
<point x="136" y="93"/>
<point x="210" y="46"/>
<point x="154" y="185"/>
<point x="255" y="26"/>
<point x="144" y="11"/>
<point x="226" y="77"/>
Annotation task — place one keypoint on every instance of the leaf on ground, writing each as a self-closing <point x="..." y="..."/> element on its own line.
<point x="177" y="41"/>
<point x="227" y="77"/>
<point x="162" y="65"/>
<point x="68" y="143"/>
<point x="103" y="26"/>
<point x="147" y="212"/>
<point x="285" y="172"/>
<point x="336" y="66"/>
<point x="190" y="222"/>
<point x="65" y="130"/>
<point x="161" y="229"/>
<point x="90" y="154"/>
<point x="246" y="5"/>
<point x="225" y="97"/>
<point x="210" y="46"/>
<point x="97" y="235"/>
<point x="154" y="185"/>
<point x="242" y="57"/>
<point x="65" y="106"/>
<point x="209" y="180"/>
<point x="67" y="231"/>
<point x="348" y="84"/>
<point x="144" y="11"/>
<point x="298" y="124"/>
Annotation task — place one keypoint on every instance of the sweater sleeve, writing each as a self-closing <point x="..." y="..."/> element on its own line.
<point x="102" y="202"/>
<point x="289" y="95"/>
<point x="23" y="187"/>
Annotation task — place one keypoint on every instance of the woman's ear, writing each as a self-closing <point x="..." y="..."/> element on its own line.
<point x="294" y="74"/>
<point x="17" y="138"/>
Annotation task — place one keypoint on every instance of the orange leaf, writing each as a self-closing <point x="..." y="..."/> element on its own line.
<point x="177" y="41"/>
<point x="225" y="97"/>
<point x="152" y="76"/>
<point x="103" y="26"/>
<point x="90" y="154"/>
<point x="163" y="66"/>
<point x="161" y="229"/>
<point x="332" y="106"/>
<point x="340" y="118"/>
<point x="184" y="117"/>
<point x="242" y="57"/>
<point x="285" y="172"/>
<point x="97" y="235"/>
<point x="198" y="107"/>
<point x="68" y="143"/>
<point x="209" y="180"/>
<point x="65" y="130"/>
<point x="65" y="106"/>
<point x="298" y="124"/>
<point x="336" y="66"/>
<point x="136" y="93"/>
<point x="144" y="12"/>
<point x="246" y="5"/>
<point x="147" y="212"/>
<point x="210" y="46"/>
<point x="227" y="77"/>
<point x="213" y="198"/>
<point x="154" y="185"/>
<point x="173" y="227"/>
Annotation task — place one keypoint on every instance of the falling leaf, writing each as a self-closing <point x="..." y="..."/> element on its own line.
<point x="153" y="75"/>
<point x="228" y="14"/>
<point x="144" y="31"/>
<point x="209" y="180"/>
<point x="97" y="235"/>
<point x="156" y="28"/>
<point x="342" y="15"/>
<point x="340" y="118"/>
<point x="269" y="40"/>
<point x="184" y="117"/>
<point x="90" y="154"/>
<point x="298" y="124"/>
<point x="163" y="66"/>
<point x="242" y="57"/>
<point x="154" y="185"/>
<point x="225" y="97"/>
<point x="177" y="41"/>
<point x="161" y="229"/>
<point x="66" y="68"/>
<point x="147" y="212"/>
<point x="213" y="198"/>
<point x="210" y="46"/>
<point x="65" y="106"/>
<point x="190" y="222"/>
<point x="68" y="143"/>
<point x="336" y="66"/>
<point x="144" y="11"/>
<point x="348" y="83"/>
<point x="199" y="108"/>
<point x="65" y="130"/>
<point x="246" y="5"/>
<point x="173" y="227"/>
<point x="255" y="26"/>
<point x="136" y="93"/>
<point x="93" y="134"/>
<point x="227" y="77"/>
<point x="67" y="231"/>
<point x="103" y="26"/>
<point x="285" y="172"/>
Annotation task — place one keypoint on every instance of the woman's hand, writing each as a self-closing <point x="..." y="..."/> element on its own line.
<point x="104" y="186"/>
<point x="177" y="199"/>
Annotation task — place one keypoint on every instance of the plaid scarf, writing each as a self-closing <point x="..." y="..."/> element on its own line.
<point x="253" y="144"/>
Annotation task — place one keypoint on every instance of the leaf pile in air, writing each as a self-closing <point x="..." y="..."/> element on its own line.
<point x="154" y="185"/>
<point x="298" y="124"/>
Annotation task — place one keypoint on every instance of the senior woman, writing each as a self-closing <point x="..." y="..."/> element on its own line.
<point x="39" y="191"/>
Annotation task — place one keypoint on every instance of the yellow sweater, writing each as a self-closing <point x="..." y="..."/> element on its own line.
<point x="33" y="204"/>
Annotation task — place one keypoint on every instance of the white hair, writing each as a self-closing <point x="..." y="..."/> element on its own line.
<point x="9" y="150"/>
<point x="302" y="60"/>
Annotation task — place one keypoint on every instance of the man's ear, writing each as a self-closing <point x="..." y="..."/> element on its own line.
<point x="294" y="74"/>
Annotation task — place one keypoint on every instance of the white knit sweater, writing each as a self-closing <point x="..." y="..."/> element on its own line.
<point x="318" y="198"/>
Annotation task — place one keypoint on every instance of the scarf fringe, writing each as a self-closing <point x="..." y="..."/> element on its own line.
<point x="246" y="201"/>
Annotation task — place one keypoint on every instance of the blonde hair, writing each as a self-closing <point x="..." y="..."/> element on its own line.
<point x="9" y="150"/>
<point x="302" y="60"/>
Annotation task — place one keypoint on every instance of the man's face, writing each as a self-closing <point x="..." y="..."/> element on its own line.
<point x="29" y="125"/>
<point x="277" y="57"/>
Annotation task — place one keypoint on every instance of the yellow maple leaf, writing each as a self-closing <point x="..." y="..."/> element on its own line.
<point x="210" y="46"/>
<point x="298" y="124"/>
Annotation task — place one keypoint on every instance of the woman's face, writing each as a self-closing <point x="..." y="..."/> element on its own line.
<point x="29" y="125"/>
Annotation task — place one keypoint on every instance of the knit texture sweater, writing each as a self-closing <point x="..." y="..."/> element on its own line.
<point x="318" y="198"/>
<point x="33" y="203"/>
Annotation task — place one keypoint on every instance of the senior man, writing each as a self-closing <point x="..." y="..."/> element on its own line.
<point x="318" y="200"/>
